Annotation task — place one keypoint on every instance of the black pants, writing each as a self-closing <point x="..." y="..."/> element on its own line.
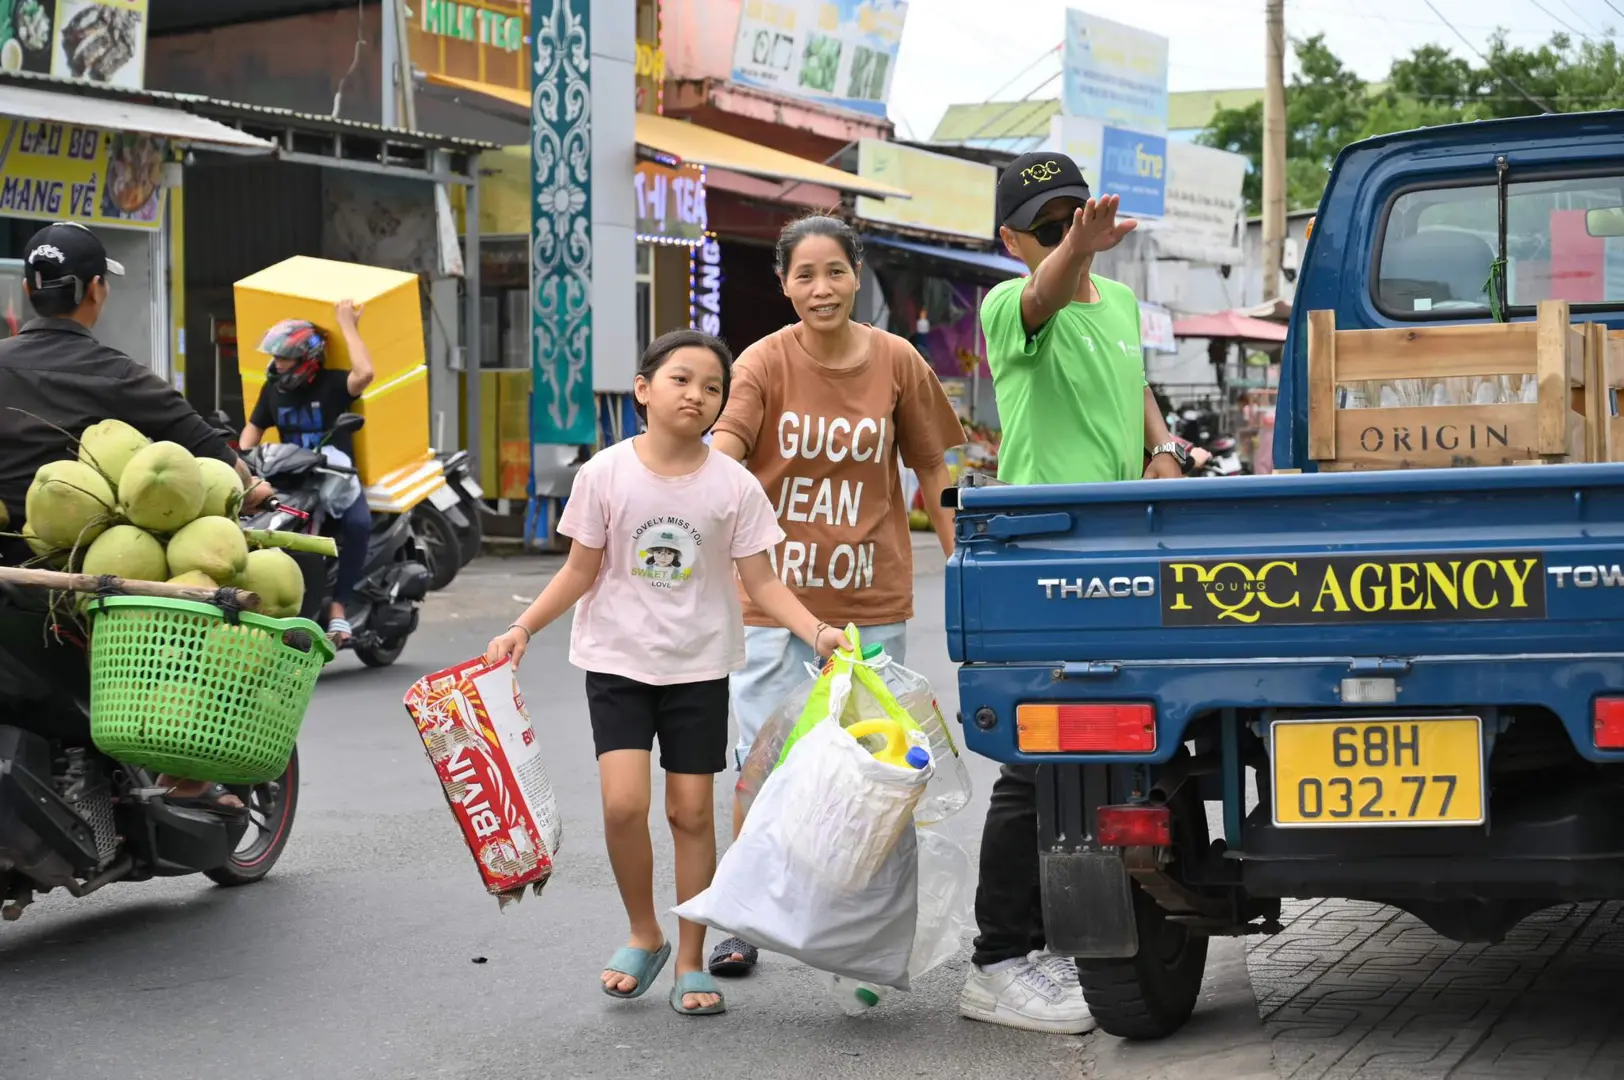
<point x="1009" y="899"/>
<point x="44" y="683"/>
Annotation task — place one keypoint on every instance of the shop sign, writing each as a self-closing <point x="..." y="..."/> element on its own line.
<point x="1114" y="73"/>
<point x="479" y="40"/>
<point x="950" y="195"/>
<point x="473" y="23"/>
<point x="670" y="203"/>
<point x="104" y="41"/>
<point x="1156" y="329"/>
<point x="705" y="287"/>
<point x="837" y="51"/>
<point x="64" y="172"/>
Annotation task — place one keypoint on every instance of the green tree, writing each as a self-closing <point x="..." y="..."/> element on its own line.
<point x="1328" y="106"/>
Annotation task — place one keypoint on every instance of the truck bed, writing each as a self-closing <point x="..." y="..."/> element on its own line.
<point x="1467" y="586"/>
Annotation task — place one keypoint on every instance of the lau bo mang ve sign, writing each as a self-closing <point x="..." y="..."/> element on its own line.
<point x="64" y="172"/>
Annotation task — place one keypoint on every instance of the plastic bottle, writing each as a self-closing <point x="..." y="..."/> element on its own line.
<point x="949" y="789"/>
<point x="854" y="998"/>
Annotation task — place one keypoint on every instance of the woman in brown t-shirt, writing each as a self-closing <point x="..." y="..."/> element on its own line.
<point x="825" y="413"/>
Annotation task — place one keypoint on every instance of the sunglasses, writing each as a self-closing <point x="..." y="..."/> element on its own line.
<point x="1050" y="233"/>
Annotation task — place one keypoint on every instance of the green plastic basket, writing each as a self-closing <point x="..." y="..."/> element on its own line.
<point x="176" y="689"/>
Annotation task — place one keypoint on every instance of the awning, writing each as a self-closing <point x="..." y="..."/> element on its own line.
<point x="1000" y="266"/>
<point x="1229" y="325"/>
<point x="511" y="95"/>
<point x="705" y="146"/>
<point x="100" y="112"/>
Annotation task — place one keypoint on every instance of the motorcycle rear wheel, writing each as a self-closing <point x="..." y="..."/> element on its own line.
<point x="380" y="656"/>
<point x="275" y="802"/>
<point x="442" y="547"/>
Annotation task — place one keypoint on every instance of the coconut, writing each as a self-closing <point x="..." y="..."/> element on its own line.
<point x="109" y="446"/>
<point x="161" y="488"/>
<point x="214" y="545"/>
<point x="221" y="484"/>
<point x="194" y="579"/>
<point x="68" y="504"/>
<point x="127" y="552"/>
<point x="276" y="577"/>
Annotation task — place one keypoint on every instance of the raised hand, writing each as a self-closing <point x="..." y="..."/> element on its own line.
<point x="1095" y="228"/>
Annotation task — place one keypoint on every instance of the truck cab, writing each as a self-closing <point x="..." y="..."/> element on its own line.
<point x="1396" y="684"/>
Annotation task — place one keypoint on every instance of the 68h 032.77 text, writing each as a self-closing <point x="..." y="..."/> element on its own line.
<point x="1374" y="747"/>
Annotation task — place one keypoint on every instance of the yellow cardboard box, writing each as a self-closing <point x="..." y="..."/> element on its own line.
<point x="307" y="288"/>
<point x="397" y="428"/>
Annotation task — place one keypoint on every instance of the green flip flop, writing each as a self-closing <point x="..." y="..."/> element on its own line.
<point x="697" y="982"/>
<point x="640" y="964"/>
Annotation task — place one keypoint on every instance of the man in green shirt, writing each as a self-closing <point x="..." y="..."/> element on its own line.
<point x="1067" y="368"/>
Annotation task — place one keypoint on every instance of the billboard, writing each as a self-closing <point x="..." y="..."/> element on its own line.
<point x="1114" y="73"/>
<point x="1134" y="166"/>
<point x="950" y="195"/>
<point x="836" y="52"/>
<point x="104" y="41"/>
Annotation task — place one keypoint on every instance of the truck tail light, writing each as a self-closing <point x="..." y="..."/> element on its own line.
<point x="1609" y="723"/>
<point x="1086" y="729"/>
<point x="1141" y="825"/>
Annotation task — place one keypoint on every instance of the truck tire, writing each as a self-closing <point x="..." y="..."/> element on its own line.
<point x="1151" y="995"/>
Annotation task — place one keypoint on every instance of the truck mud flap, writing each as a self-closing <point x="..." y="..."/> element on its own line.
<point x="1087" y="894"/>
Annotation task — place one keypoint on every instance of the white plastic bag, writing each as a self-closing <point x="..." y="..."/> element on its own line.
<point x="946" y="901"/>
<point x="826" y="868"/>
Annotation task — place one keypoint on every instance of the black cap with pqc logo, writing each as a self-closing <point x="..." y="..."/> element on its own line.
<point x="1032" y="181"/>
<point x="66" y="255"/>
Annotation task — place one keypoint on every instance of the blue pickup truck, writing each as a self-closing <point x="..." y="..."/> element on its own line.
<point x="1399" y="686"/>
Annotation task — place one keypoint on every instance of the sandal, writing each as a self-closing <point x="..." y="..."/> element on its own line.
<point x="640" y="964"/>
<point x="697" y="982"/>
<point x="339" y="632"/>
<point x="211" y="800"/>
<point x="723" y="964"/>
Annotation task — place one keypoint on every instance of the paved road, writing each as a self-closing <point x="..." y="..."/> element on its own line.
<point x="355" y="959"/>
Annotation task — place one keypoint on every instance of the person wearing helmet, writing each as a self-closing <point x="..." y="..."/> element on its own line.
<point x="302" y="399"/>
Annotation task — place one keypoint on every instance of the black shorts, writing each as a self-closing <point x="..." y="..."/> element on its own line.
<point x="689" y="718"/>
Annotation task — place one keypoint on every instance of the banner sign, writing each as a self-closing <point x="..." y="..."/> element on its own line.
<point x="950" y="195"/>
<point x="840" y="52"/>
<point x="1134" y="166"/>
<point x="670" y="203"/>
<point x="63" y="172"/>
<point x="1114" y="73"/>
<point x="103" y="41"/>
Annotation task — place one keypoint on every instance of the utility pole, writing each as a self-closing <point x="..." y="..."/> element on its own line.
<point x="1274" y="149"/>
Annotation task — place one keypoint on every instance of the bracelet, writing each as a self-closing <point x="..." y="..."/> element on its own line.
<point x="817" y="635"/>
<point x="521" y="626"/>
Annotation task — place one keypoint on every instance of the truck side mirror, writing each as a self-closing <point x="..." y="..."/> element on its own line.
<point x="1605" y="221"/>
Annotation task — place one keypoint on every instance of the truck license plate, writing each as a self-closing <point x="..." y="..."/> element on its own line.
<point x="1346" y="773"/>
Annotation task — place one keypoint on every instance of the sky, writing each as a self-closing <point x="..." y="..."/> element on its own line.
<point x="959" y="51"/>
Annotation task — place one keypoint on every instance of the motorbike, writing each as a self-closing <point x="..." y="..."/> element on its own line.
<point x="470" y="499"/>
<point x="1196" y="428"/>
<point x="73" y="818"/>
<point x="384" y="611"/>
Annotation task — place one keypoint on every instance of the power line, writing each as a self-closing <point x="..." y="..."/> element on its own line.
<point x="1532" y="100"/>
<point x="1579" y="15"/>
<point x="1569" y="27"/>
<point x="1615" y="7"/>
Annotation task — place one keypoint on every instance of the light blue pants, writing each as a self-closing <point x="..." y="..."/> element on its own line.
<point x="775" y="664"/>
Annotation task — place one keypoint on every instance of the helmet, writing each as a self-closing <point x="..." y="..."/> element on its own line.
<point x="300" y="341"/>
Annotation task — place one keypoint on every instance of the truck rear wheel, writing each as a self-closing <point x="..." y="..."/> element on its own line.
<point x="1152" y="994"/>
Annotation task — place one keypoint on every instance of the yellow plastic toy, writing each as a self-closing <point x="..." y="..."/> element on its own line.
<point x="896" y="747"/>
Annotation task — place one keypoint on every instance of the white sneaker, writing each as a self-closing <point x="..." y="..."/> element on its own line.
<point x="1062" y="969"/>
<point x="1025" y="996"/>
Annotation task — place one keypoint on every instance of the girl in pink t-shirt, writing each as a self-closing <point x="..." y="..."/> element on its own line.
<point x="659" y="524"/>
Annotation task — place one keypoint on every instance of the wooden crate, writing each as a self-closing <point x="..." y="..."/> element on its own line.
<point x="1606" y="426"/>
<point x="1551" y="350"/>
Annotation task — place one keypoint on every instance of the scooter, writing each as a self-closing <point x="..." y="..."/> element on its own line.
<point x="470" y="499"/>
<point x="383" y="613"/>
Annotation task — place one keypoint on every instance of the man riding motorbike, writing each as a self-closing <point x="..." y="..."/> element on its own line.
<point x="302" y="400"/>
<point x="57" y="379"/>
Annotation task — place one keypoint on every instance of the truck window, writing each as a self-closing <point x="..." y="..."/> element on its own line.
<point x="1439" y="244"/>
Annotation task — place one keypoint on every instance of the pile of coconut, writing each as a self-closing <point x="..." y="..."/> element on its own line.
<point x="147" y="511"/>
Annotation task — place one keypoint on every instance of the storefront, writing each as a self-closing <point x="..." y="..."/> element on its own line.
<point x="69" y="154"/>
